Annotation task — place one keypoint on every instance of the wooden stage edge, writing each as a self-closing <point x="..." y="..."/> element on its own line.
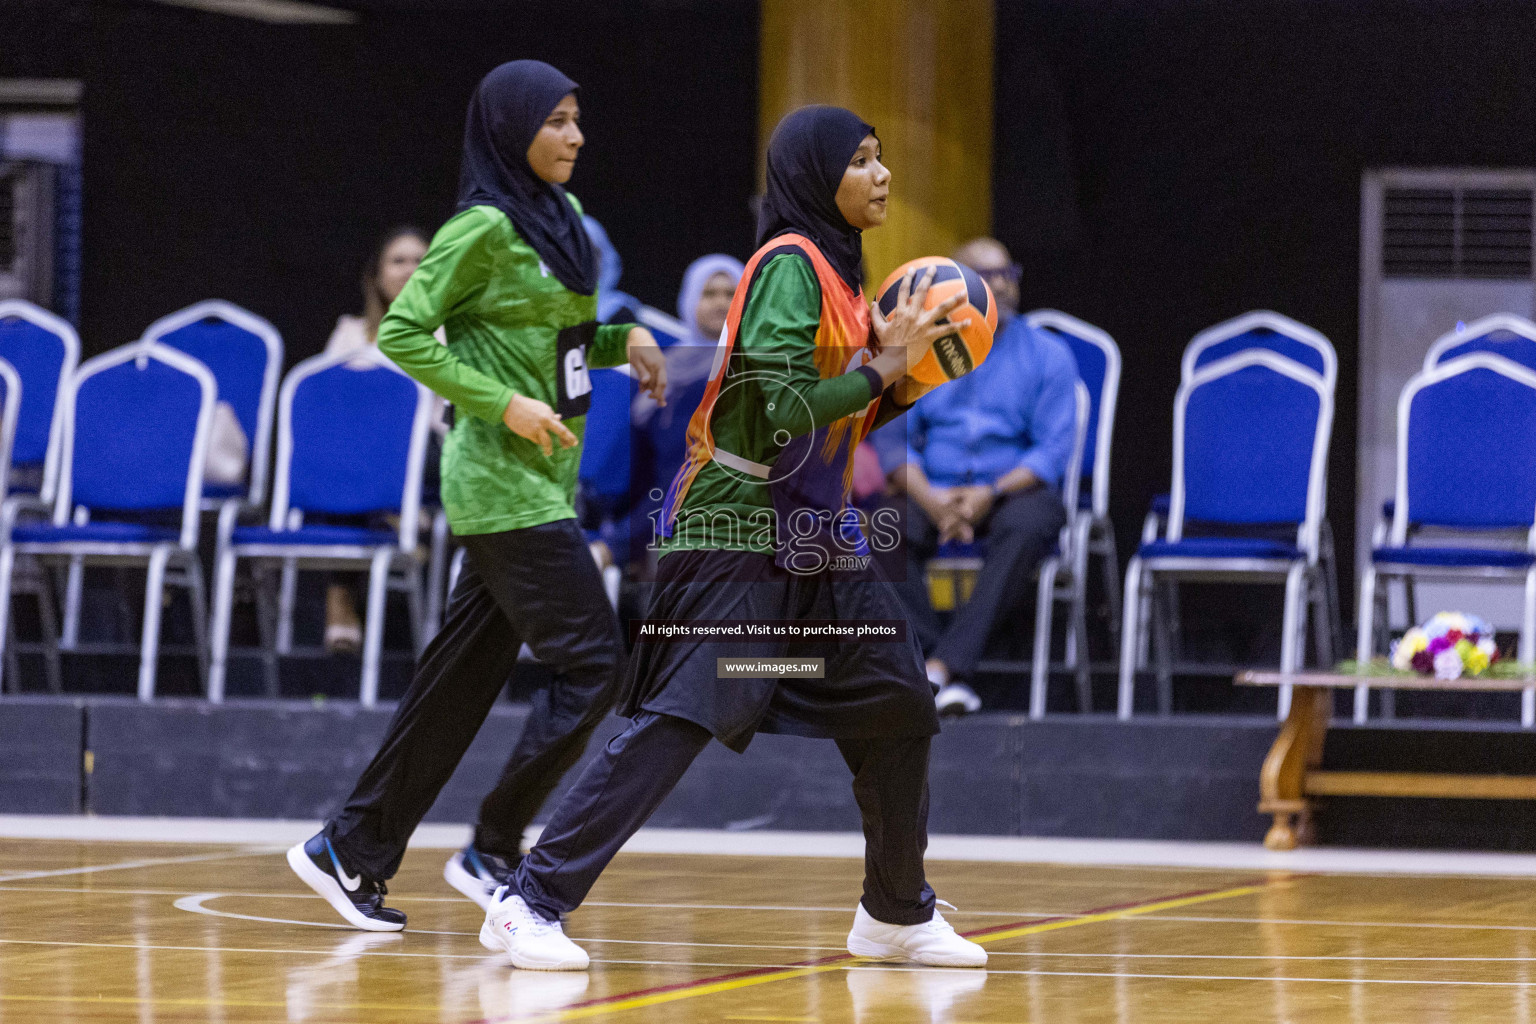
<point x="1292" y="771"/>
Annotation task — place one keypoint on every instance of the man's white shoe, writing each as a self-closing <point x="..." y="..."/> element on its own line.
<point x="957" y="699"/>
<point x="531" y="942"/>
<point x="933" y="943"/>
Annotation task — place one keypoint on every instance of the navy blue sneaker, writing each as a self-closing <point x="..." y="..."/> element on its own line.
<point x="359" y="900"/>
<point x="478" y="874"/>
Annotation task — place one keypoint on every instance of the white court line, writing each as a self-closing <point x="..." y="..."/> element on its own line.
<point x="242" y="949"/>
<point x="126" y="865"/>
<point x="121" y="828"/>
<point x="396" y="898"/>
<point x="373" y="952"/>
<point x="858" y="967"/>
<point x="1278" y="956"/>
<point x="194" y="903"/>
<point x="1022" y="915"/>
<point x="1000" y="849"/>
<point x="1338" y="924"/>
<point x="1269" y="978"/>
<point x="949" y="972"/>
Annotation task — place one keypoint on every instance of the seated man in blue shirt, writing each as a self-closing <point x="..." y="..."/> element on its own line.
<point x="982" y="459"/>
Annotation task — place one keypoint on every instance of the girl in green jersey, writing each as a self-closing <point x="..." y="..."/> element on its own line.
<point x="512" y="279"/>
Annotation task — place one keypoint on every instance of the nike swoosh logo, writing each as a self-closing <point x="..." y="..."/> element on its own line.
<point x="348" y="882"/>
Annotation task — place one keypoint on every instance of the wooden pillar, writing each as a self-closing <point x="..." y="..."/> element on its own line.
<point x="920" y="71"/>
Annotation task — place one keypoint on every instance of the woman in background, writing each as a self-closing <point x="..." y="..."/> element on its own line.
<point x="394" y="260"/>
<point x="709" y="283"/>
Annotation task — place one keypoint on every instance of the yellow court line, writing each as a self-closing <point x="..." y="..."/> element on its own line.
<point x="657" y="998"/>
<point x="732" y="984"/>
<point x="1115" y="915"/>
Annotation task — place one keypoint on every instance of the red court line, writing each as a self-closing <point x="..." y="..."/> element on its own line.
<point x="841" y="957"/>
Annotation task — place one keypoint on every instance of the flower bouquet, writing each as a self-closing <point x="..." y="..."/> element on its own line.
<point x="1450" y="645"/>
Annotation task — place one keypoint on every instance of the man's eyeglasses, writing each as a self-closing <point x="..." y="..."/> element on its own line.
<point x="1011" y="273"/>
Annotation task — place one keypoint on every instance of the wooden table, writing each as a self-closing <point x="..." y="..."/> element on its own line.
<point x="1292" y="772"/>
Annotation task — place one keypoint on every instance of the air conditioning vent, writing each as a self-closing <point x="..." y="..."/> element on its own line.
<point x="1457" y="232"/>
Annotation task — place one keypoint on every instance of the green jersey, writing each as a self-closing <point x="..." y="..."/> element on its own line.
<point x="501" y="311"/>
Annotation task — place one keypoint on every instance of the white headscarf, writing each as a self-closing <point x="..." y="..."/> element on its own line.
<point x="690" y="359"/>
<point x="695" y="278"/>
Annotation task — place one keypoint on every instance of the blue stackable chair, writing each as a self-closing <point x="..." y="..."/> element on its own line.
<point x="1070" y="587"/>
<point x="11" y="392"/>
<point x="1503" y="334"/>
<point x="352" y="434"/>
<point x="245" y="355"/>
<point x="137" y="422"/>
<point x="1098" y="365"/>
<point x="44" y="350"/>
<point x="1449" y="414"/>
<point x="1250" y="447"/>
<point x="1262" y="330"/>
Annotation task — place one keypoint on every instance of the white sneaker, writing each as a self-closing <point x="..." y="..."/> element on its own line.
<point x="532" y="943"/>
<point x="477" y="875"/>
<point x="933" y="943"/>
<point x="957" y="699"/>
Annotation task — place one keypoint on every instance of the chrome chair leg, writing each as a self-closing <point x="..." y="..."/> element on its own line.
<point x="149" y="645"/>
<point x="197" y="594"/>
<point x="373" y="627"/>
<point x="1130" y="641"/>
<point x="287" y="589"/>
<point x="223" y="605"/>
<point x="1045" y="597"/>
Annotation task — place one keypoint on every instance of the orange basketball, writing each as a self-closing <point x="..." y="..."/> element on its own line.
<point x="956" y="354"/>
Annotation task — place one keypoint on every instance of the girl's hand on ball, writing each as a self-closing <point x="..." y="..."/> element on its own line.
<point x="534" y="420"/>
<point x="907" y="335"/>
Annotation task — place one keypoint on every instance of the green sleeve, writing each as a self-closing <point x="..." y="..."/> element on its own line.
<point x="451" y="279"/>
<point x="777" y="338"/>
<point x="610" y="347"/>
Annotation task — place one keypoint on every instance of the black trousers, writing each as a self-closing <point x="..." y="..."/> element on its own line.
<point x="538" y="586"/>
<point x="620" y="789"/>
<point x="1020" y="531"/>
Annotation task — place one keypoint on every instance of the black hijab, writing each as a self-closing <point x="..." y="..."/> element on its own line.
<point x="807" y="155"/>
<point x="506" y="112"/>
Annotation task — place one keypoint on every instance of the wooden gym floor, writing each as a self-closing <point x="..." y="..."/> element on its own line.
<point x="154" y="932"/>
